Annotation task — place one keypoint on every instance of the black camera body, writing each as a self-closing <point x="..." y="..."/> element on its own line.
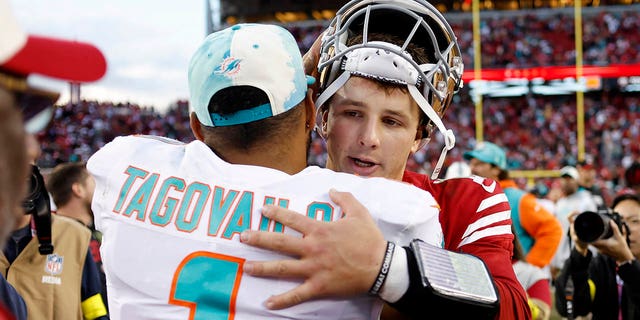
<point x="591" y="226"/>
<point x="37" y="204"/>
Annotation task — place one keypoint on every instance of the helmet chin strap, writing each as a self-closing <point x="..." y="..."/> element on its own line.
<point x="332" y="88"/>
<point x="449" y="137"/>
<point x="326" y="94"/>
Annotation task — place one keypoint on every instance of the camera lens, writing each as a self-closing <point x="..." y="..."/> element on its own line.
<point x="590" y="226"/>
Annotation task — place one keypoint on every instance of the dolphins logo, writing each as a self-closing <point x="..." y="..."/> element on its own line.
<point x="228" y="66"/>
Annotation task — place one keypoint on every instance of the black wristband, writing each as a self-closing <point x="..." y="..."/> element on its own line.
<point x="384" y="269"/>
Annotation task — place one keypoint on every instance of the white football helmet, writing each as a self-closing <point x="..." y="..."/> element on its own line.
<point x="432" y="85"/>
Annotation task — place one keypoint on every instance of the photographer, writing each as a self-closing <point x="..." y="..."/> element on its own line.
<point x="606" y="285"/>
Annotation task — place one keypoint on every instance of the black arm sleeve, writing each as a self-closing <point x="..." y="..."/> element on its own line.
<point x="420" y="301"/>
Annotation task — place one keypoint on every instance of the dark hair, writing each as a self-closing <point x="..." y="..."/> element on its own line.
<point x="624" y="197"/>
<point x="248" y="135"/>
<point x="503" y="175"/>
<point x="632" y="175"/>
<point x="60" y="181"/>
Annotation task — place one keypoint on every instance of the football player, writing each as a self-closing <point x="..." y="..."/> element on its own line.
<point x="171" y="214"/>
<point x="388" y="71"/>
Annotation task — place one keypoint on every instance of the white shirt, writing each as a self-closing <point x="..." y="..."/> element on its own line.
<point x="579" y="201"/>
<point x="171" y="215"/>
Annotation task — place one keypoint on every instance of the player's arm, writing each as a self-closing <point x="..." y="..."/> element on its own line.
<point x="335" y="259"/>
<point x="93" y="307"/>
<point x="337" y="268"/>
<point x="544" y="227"/>
<point x="486" y="234"/>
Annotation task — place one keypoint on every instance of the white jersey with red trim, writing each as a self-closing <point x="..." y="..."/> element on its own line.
<point x="171" y="215"/>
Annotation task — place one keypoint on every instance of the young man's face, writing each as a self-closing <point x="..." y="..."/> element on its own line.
<point x="587" y="176"/>
<point x="630" y="212"/>
<point x="569" y="185"/>
<point x="483" y="169"/>
<point x="371" y="131"/>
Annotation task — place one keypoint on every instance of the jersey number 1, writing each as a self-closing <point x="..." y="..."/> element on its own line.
<point x="207" y="283"/>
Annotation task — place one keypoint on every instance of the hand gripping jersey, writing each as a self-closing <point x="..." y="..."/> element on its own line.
<point x="171" y="215"/>
<point x="476" y="219"/>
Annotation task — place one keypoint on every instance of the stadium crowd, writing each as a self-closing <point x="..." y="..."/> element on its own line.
<point x="533" y="39"/>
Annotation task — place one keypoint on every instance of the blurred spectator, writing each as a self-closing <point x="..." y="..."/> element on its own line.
<point x="573" y="200"/>
<point x="632" y="177"/>
<point x="541" y="191"/>
<point x="72" y="187"/>
<point x="605" y="285"/>
<point x="457" y="169"/>
<point x="587" y="180"/>
<point x="536" y="228"/>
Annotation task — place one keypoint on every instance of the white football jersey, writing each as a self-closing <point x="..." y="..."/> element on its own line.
<point x="171" y="215"/>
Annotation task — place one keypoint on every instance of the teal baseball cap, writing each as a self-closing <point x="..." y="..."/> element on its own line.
<point x="489" y="153"/>
<point x="263" y="56"/>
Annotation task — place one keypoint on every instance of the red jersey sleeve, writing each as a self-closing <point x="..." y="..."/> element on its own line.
<point x="475" y="218"/>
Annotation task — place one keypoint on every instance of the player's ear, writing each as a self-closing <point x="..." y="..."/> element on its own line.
<point x="417" y="144"/>
<point x="324" y="121"/>
<point x="196" y="127"/>
<point x="421" y="139"/>
<point x="77" y="189"/>
<point x="310" y="108"/>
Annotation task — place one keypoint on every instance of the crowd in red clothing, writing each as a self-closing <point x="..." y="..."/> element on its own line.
<point x="536" y="38"/>
<point x="531" y="40"/>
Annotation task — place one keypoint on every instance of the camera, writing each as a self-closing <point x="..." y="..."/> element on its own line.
<point x="37" y="204"/>
<point x="591" y="226"/>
